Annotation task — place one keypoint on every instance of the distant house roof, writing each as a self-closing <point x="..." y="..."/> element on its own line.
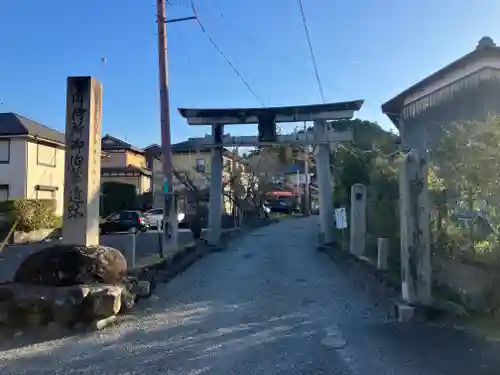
<point x="154" y="150"/>
<point x="128" y="168"/>
<point x="12" y="124"/>
<point x="485" y="48"/>
<point x="188" y="146"/>
<point x="182" y="147"/>
<point x="110" y="143"/>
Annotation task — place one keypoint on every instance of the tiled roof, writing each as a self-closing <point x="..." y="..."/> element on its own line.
<point x="485" y="49"/>
<point x="13" y="124"/>
<point x="110" y="143"/>
<point x="129" y="168"/>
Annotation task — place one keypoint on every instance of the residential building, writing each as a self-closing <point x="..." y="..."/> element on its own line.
<point x="124" y="163"/>
<point x="31" y="160"/>
<point x="195" y="163"/>
<point x="465" y="89"/>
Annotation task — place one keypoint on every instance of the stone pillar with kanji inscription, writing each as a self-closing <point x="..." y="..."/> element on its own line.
<point x="416" y="268"/>
<point x="82" y="176"/>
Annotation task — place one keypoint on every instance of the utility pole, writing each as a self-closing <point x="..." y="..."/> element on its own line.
<point x="169" y="214"/>
<point x="169" y="228"/>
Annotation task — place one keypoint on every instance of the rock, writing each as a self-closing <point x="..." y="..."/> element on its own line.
<point x="144" y="289"/>
<point x="450" y="307"/>
<point x="6" y="293"/>
<point x="65" y="314"/>
<point x="148" y="275"/>
<point x="5" y="309"/>
<point x="128" y="300"/>
<point x="103" y="303"/>
<point x="64" y="265"/>
<point x="7" y="304"/>
<point x="35" y="319"/>
<point x="33" y="304"/>
<point x="56" y="329"/>
<point x="101" y="323"/>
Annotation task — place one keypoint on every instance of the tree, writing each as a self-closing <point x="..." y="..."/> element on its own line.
<point x="371" y="159"/>
<point x="464" y="174"/>
<point x="256" y="177"/>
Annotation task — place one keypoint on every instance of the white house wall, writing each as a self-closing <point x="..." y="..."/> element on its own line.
<point x="48" y="175"/>
<point x="13" y="174"/>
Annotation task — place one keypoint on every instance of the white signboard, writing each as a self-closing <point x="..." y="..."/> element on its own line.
<point x="340" y="218"/>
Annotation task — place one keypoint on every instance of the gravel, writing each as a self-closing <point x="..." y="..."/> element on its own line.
<point x="270" y="304"/>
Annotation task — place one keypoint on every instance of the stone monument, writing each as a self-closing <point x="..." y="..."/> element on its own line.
<point x="82" y="176"/>
<point x="415" y="245"/>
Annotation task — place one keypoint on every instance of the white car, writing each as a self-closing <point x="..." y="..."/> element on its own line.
<point x="154" y="217"/>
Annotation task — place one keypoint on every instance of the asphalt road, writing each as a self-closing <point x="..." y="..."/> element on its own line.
<point x="270" y="304"/>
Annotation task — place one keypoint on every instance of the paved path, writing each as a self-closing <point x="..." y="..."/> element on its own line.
<point x="269" y="305"/>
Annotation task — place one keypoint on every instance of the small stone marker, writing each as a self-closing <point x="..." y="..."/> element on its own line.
<point x="358" y="219"/>
<point x="383" y="253"/>
<point x="82" y="175"/>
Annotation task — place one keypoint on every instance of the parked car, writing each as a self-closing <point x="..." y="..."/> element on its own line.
<point x="123" y="221"/>
<point x="279" y="206"/>
<point x="154" y="217"/>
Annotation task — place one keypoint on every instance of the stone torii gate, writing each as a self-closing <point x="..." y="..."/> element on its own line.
<point x="267" y="118"/>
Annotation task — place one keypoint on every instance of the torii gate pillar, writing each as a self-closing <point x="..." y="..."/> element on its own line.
<point x="215" y="211"/>
<point x="324" y="184"/>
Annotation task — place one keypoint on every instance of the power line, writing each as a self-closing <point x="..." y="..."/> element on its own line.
<point x="313" y="58"/>
<point x="223" y="55"/>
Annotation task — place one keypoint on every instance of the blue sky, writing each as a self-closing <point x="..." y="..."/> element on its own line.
<point x="365" y="49"/>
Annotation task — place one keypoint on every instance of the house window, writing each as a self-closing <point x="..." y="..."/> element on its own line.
<point x="200" y="165"/>
<point x="4" y="193"/>
<point x="46" y="155"/>
<point x="4" y="151"/>
<point x="45" y="192"/>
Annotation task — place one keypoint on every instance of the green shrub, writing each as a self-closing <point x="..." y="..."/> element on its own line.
<point x="30" y="214"/>
<point x="58" y="222"/>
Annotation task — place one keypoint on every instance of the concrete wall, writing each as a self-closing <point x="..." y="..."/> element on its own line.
<point x="45" y="167"/>
<point x="13" y="174"/>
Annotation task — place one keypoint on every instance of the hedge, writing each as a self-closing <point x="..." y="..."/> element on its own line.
<point x="30" y="214"/>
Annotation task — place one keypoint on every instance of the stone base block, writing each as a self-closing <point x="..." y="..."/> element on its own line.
<point x="405" y="313"/>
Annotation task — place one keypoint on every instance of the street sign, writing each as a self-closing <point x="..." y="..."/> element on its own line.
<point x="340" y="218"/>
<point x="165" y="185"/>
